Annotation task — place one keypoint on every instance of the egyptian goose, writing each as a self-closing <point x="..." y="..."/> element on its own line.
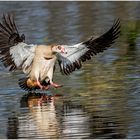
<point x="38" y="61"/>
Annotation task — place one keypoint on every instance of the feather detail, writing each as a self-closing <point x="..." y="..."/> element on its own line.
<point x="83" y="51"/>
<point x="9" y="37"/>
<point x="14" y="53"/>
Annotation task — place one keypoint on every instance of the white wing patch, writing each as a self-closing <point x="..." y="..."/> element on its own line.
<point x="70" y="61"/>
<point x="22" y="55"/>
<point x="74" y="52"/>
<point x="83" y="51"/>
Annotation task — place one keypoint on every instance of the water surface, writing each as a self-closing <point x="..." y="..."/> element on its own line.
<point x="102" y="99"/>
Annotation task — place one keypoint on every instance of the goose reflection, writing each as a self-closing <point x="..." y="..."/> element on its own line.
<point x="43" y="116"/>
<point x="51" y="117"/>
<point x="40" y="119"/>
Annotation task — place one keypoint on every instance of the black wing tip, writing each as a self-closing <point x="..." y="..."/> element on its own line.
<point x="8" y="26"/>
<point x="9" y="37"/>
<point x="116" y="28"/>
<point x="7" y="15"/>
<point x="104" y="41"/>
<point x="117" y="20"/>
<point x="117" y="25"/>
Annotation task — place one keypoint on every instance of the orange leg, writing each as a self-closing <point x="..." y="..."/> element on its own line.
<point x="39" y="84"/>
<point x="50" y="76"/>
<point x="55" y="85"/>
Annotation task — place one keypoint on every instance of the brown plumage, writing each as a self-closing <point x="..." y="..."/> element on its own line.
<point x="38" y="61"/>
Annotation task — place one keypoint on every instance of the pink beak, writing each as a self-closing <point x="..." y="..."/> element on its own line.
<point x="63" y="50"/>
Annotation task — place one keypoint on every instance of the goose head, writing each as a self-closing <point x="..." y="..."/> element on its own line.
<point x="59" y="49"/>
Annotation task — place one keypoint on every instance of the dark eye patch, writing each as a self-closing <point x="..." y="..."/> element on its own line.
<point x="59" y="47"/>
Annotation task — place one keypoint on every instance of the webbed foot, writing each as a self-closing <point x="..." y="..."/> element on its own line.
<point x="56" y="85"/>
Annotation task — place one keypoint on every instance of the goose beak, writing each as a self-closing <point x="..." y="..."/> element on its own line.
<point x="63" y="50"/>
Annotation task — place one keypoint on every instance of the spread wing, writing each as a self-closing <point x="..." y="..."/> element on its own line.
<point x="14" y="53"/>
<point x="83" y="51"/>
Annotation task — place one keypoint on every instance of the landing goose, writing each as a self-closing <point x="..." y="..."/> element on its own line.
<point x="38" y="61"/>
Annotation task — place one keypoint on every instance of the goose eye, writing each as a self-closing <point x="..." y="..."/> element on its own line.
<point x="59" y="47"/>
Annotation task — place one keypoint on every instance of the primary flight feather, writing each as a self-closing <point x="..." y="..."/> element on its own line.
<point x="38" y="61"/>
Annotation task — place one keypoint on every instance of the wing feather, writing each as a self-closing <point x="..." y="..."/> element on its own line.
<point x="14" y="53"/>
<point x="81" y="52"/>
<point x="23" y="55"/>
